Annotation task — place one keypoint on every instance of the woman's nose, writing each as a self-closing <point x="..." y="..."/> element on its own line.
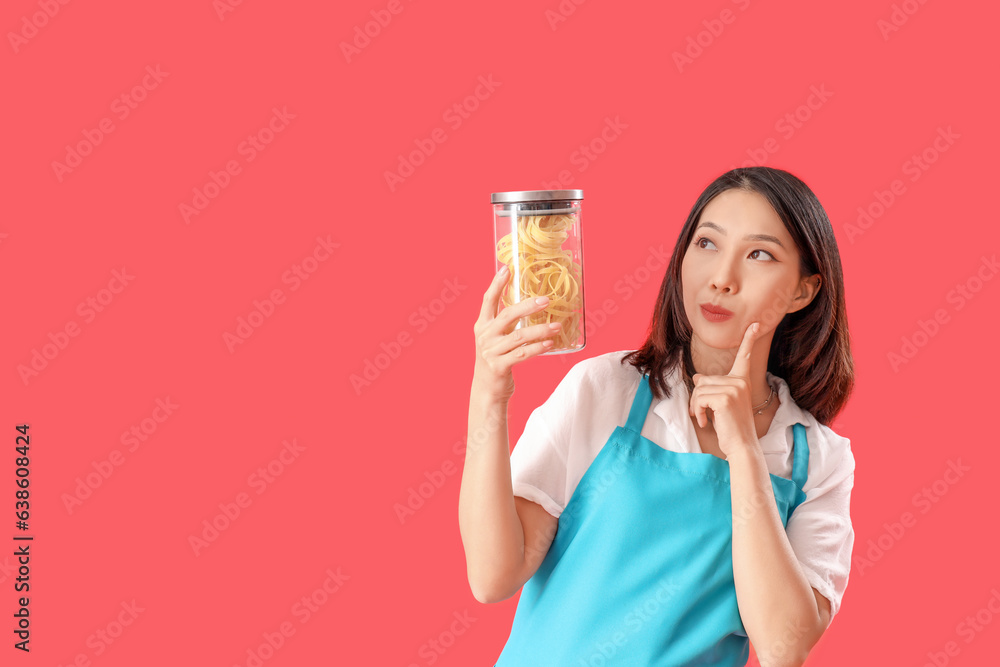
<point x="724" y="279"/>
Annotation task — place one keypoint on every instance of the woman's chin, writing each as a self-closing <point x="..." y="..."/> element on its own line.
<point x="716" y="339"/>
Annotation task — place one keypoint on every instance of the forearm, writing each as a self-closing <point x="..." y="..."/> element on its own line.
<point x="775" y="599"/>
<point x="488" y="522"/>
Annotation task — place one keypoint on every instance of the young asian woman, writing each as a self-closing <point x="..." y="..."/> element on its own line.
<point x="718" y="518"/>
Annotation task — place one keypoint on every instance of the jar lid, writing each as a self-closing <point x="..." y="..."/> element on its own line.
<point x="534" y="196"/>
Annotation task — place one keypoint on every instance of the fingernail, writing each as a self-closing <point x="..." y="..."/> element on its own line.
<point x="541" y="300"/>
<point x="503" y="270"/>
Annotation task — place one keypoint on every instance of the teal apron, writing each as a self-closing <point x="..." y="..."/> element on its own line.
<point x="640" y="572"/>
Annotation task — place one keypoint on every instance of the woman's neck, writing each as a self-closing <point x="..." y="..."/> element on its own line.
<point x="719" y="361"/>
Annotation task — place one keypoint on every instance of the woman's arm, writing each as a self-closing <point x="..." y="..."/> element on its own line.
<point x="490" y="528"/>
<point x="488" y="519"/>
<point x="783" y="615"/>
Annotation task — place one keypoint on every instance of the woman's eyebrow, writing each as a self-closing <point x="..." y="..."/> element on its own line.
<point x="748" y="237"/>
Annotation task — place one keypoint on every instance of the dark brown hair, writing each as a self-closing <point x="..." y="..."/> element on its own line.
<point x="810" y="349"/>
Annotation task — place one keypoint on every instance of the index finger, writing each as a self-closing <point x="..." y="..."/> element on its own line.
<point x="741" y="365"/>
<point x="492" y="296"/>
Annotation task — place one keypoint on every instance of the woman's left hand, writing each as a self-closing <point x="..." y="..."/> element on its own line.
<point x="728" y="397"/>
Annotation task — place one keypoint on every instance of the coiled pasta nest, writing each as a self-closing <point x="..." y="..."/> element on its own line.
<point x="543" y="268"/>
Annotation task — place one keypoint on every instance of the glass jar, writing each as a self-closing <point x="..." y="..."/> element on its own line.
<point x="538" y="236"/>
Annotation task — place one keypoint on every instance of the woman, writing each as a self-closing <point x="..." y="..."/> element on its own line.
<point x="719" y="520"/>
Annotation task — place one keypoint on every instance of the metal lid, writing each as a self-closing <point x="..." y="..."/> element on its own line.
<point x="534" y="195"/>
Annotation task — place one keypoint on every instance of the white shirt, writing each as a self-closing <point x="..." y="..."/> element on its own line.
<point x="563" y="436"/>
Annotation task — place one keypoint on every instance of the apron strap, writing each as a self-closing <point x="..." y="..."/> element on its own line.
<point x="640" y="406"/>
<point x="800" y="460"/>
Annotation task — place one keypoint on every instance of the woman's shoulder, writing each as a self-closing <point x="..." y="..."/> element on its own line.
<point x="832" y="448"/>
<point x="838" y="446"/>
<point x="598" y="383"/>
<point x="605" y="371"/>
<point x="593" y="397"/>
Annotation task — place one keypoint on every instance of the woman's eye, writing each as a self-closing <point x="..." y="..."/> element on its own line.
<point x="752" y="252"/>
<point x="766" y="253"/>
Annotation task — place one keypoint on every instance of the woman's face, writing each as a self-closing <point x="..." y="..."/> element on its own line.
<point x="755" y="278"/>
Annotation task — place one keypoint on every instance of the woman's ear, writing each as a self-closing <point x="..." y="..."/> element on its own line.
<point x="808" y="289"/>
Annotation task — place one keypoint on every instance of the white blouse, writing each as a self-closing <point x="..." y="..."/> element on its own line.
<point x="563" y="436"/>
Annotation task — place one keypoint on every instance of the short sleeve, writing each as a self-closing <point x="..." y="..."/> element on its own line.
<point x="820" y="530"/>
<point x="538" y="463"/>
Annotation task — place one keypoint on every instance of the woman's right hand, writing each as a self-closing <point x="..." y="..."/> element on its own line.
<point x="499" y="345"/>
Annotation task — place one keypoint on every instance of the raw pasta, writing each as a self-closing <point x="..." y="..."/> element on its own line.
<point x="543" y="268"/>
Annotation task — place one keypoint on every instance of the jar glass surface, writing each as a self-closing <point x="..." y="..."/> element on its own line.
<point x="540" y="240"/>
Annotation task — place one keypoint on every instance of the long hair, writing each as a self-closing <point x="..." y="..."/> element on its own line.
<point x="810" y="349"/>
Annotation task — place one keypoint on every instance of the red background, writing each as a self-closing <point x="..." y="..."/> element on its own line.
<point x="366" y="449"/>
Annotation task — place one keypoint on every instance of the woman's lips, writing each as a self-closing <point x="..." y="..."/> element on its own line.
<point x="715" y="314"/>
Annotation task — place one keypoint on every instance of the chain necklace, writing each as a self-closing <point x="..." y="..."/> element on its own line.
<point x="764" y="404"/>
